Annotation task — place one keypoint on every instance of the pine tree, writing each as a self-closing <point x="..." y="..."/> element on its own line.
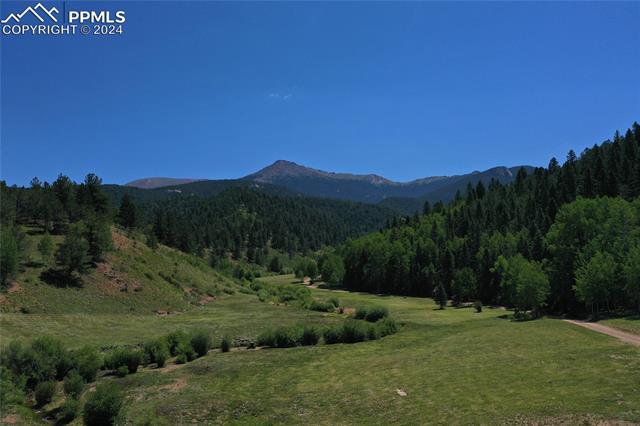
<point x="441" y="296"/>
<point x="8" y="254"/>
<point x="45" y="247"/>
<point x="127" y="213"/>
<point x="72" y="253"/>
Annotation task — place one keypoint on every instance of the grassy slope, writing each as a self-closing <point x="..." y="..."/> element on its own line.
<point x="456" y="366"/>
<point x="134" y="279"/>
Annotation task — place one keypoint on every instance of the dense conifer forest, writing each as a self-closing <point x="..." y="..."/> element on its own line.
<point x="565" y="237"/>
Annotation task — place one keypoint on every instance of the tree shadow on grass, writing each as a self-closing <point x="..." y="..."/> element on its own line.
<point x="59" y="279"/>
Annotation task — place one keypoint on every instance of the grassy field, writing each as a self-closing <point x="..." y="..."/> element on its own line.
<point x="454" y="366"/>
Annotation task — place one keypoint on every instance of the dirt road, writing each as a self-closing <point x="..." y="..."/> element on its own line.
<point x="632" y="339"/>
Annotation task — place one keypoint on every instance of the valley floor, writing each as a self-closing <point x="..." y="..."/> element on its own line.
<point x="452" y="366"/>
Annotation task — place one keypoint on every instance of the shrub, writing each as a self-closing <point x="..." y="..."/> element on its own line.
<point x="68" y="411"/>
<point x="103" y="406"/>
<point x="54" y="352"/>
<point x="24" y="362"/>
<point x="157" y="352"/>
<point x="124" y="357"/>
<point x="185" y="351"/>
<point x="334" y="301"/>
<point x="267" y="338"/>
<point x="361" y="312"/>
<point x="122" y="371"/>
<point x="11" y="389"/>
<point x="332" y="335"/>
<point x="44" y="392"/>
<point x="225" y="344"/>
<point x="201" y="342"/>
<point x="321" y="306"/>
<point x="309" y="336"/>
<point x="354" y="331"/>
<point x="73" y="384"/>
<point x="182" y="359"/>
<point x="282" y="337"/>
<point x="174" y="340"/>
<point x="478" y="306"/>
<point x="286" y="337"/>
<point x="88" y="362"/>
<point x="386" y="327"/>
<point x="376" y="313"/>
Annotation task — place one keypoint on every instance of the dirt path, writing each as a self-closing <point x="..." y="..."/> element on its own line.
<point x="632" y="339"/>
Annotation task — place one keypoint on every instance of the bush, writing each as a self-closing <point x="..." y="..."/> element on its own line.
<point x="386" y="327"/>
<point x="286" y="337"/>
<point x="24" y="362"/>
<point x="334" y="301"/>
<point x="103" y="406"/>
<point x="44" y="392"/>
<point x="201" y="342"/>
<point x="157" y="352"/>
<point x="124" y="357"/>
<point x="321" y="306"/>
<point x="225" y="344"/>
<point x="88" y="362"/>
<point x="478" y="306"/>
<point x="122" y="371"/>
<point x="371" y="314"/>
<point x="73" y="384"/>
<point x="354" y="331"/>
<point x="282" y="337"/>
<point x="182" y="359"/>
<point x="54" y="352"/>
<point x="11" y="389"/>
<point x="267" y="338"/>
<point x="68" y="411"/>
<point x="332" y="335"/>
<point x="174" y="340"/>
<point x="309" y="336"/>
<point x="186" y="352"/>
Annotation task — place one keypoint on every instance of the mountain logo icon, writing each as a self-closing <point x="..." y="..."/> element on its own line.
<point x="43" y="11"/>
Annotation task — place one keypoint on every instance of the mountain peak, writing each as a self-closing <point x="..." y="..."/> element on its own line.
<point x="284" y="169"/>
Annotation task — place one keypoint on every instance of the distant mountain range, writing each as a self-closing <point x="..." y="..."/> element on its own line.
<point x="292" y="178"/>
<point x="159" y="182"/>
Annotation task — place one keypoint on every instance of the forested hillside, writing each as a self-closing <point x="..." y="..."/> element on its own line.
<point x="247" y="222"/>
<point x="566" y="236"/>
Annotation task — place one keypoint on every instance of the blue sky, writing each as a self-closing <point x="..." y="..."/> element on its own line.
<point x="405" y="90"/>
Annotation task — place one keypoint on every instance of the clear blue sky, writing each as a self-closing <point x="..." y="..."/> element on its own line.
<point x="405" y="90"/>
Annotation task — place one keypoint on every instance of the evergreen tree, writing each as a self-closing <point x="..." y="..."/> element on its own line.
<point x="45" y="247"/>
<point x="127" y="213"/>
<point x="72" y="253"/>
<point x="441" y="296"/>
<point x="8" y="254"/>
<point x="98" y="236"/>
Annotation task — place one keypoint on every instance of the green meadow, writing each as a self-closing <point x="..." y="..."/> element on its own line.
<point x="452" y="366"/>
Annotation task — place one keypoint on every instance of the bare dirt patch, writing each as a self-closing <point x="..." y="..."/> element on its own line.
<point x="170" y="368"/>
<point x="120" y="241"/>
<point x="11" y="419"/>
<point x="175" y="386"/>
<point x="206" y="300"/>
<point x="15" y="288"/>
<point x="115" y="282"/>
